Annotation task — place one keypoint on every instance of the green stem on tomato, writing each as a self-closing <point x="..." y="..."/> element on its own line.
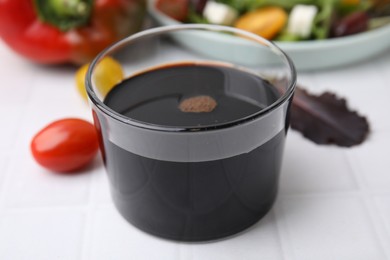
<point x="64" y="14"/>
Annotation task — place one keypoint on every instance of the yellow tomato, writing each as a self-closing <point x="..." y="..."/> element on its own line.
<point x="266" y="22"/>
<point x="107" y="74"/>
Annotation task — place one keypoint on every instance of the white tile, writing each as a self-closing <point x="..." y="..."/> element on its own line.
<point x="324" y="228"/>
<point x="15" y="66"/>
<point x="371" y="161"/>
<point x="100" y="192"/>
<point x="383" y="205"/>
<point x="4" y="49"/>
<point x="41" y="234"/>
<point x="16" y="89"/>
<point x="54" y="97"/>
<point x="3" y="169"/>
<point x="111" y="237"/>
<point x="308" y="167"/>
<point x="259" y="242"/>
<point x="53" y="109"/>
<point x="3" y="163"/>
<point x="11" y="116"/>
<point x="58" y="84"/>
<point x="28" y="184"/>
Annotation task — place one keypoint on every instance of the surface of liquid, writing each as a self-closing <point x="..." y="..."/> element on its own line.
<point x="154" y="97"/>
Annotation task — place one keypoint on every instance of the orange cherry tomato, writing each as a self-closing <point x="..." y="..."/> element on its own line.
<point x="266" y="22"/>
<point x="65" y="145"/>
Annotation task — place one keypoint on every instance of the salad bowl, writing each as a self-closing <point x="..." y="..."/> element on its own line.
<point x="312" y="54"/>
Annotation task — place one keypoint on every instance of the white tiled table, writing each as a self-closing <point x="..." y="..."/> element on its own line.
<point x="334" y="203"/>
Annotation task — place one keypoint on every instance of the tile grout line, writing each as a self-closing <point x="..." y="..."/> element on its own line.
<point x="365" y="194"/>
<point x="87" y="230"/>
<point x="45" y="207"/>
<point x="29" y="103"/>
<point x="283" y="246"/>
<point x="369" y="208"/>
<point x="182" y="248"/>
<point x="330" y="194"/>
<point x="2" y="186"/>
<point x="90" y="208"/>
<point x="85" y="209"/>
<point x="13" y="147"/>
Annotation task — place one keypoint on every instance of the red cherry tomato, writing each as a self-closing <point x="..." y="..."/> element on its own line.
<point x="65" y="145"/>
<point x="176" y="9"/>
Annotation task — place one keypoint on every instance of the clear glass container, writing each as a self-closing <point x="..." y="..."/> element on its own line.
<point x="194" y="176"/>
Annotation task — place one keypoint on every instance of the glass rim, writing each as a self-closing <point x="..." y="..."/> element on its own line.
<point x="172" y="28"/>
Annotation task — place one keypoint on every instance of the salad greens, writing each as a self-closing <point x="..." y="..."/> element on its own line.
<point x="284" y="20"/>
<point x="247" y="5"/>
<point x="327" y="11"/>
<point x="323" y="20"/>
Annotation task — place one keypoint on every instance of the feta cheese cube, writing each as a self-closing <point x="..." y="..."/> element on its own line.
<point x="218" y="13"/>
<point x="301" y="20"/>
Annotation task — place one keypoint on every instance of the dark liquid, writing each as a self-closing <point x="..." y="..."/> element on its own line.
<point x="154" y="97"/>
<point x="193" y="201"/>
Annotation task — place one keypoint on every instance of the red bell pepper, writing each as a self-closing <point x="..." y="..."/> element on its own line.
<point x="67" y="31"/>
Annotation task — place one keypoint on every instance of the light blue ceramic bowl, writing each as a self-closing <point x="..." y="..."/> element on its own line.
<point x="322" y="54"/>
